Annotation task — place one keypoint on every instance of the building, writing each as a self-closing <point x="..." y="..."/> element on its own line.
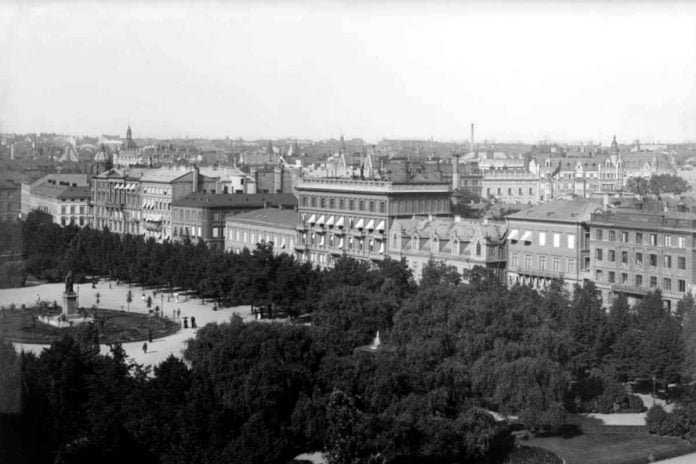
<point x="515" y="186"/>
<point x="203" y="215"/>
<point x="10" y="201"/>
<point x="550" y="241"/>
<point x="116" y="203"/>
<point x="66" y="197"/>
<point x="353" y="216"/>
<point x="454" y="241"/>
<point x="636" y="251"/>
<point x="267" y="225"/>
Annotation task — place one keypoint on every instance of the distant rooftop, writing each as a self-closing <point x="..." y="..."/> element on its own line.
<point x="267" y="217"/>
<point x="559" y="211"/>
<point x="236" y="200"/>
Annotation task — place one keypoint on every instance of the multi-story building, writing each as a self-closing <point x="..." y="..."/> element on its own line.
<point x="454" y="241"/>
<point x="353" y="216"/>
<point x="203" y="215"/>
<point x="550" y="241"/>
<point x="267" y="225"/>
<point x="66" y="197"/>
<point x="515" y="186"/>
<point x="635" y="252"/>
<point x="116" y="201"/>
<point x="10" y="200"/>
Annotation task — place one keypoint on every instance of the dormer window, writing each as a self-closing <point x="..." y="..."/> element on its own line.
<point x="414" y="243"/>
<point x="435" y="245"/>
<point x="478" y="248"/>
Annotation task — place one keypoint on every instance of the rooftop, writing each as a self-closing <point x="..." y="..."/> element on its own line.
<point x="267" y="216"/>
<point x="559" y="211"/>
<point x="236" y="200"/>
<point x="463" y="229"/>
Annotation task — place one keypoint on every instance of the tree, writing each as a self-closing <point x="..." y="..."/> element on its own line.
<point x="129" y="298"/>
<point x="437" y="273"/>
<point x="638" y="185"/>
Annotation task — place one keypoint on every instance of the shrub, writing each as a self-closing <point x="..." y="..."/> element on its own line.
<point x="661" y="422"/>
<point x="532" y="455"/>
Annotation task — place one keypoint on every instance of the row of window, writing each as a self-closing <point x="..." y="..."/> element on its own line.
<point x="252" y="237"/>
<point x="72" y="209"/>
<point x="674" y="241"/>
<point x="623" y="279"/>
<point x="527" y="238"/>
<point x="540" y="263"/>
<point x="185" y="231"/>
<point x="188" y="214"/>
<point x="510" y="190"/>
<point x="342" y="203"/>
<point x="64" y="221"/>
<point x="652" y="259"/>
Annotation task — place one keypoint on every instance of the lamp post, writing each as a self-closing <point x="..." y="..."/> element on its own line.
<point x="653" y="379"/>
<point x="161" y="304"/>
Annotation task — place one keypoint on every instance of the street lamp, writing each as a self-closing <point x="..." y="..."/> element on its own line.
<point x="161" y="304"/>
<point x="653" y="390"/>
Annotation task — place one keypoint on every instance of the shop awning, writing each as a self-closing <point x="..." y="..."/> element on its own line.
<point x="360" y="224"/>
<point x="330" y="222"/>
<point x="312" y="219"/>
<point x="339" y="223"/>
<point x="340" y="243"/>
<point x="513" y="235"/>
<point x="370" y="224"/>
<point x="380" y="226"/>
<point x="527" y="236"/>
<point x="381" y="248"/>
<point x="321" y="220"/>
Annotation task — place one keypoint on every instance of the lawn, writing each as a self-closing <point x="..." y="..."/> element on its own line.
<point x="613" y="448"/>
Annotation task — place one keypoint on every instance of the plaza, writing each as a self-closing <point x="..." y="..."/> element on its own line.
<point x="113" y="296"/>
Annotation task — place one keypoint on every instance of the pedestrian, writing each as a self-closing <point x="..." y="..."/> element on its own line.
<point x="145" y="347"/>
<point x="149" y="335"/>
<point x="178" y="313"/>
<point x="109" y="285"/>
<point x="193" y="322"/>
<point x="185" y="322"/>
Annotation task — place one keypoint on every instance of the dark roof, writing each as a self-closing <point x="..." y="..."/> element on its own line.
<point x="236" y="200"/>
<point x="559" y="211"/>
<point x="75" y="192"/>
<point x="267" y="216"/>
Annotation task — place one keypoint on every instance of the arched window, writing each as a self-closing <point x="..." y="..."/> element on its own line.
<point x="478" y="248"/>
<point x="435" y="245"/>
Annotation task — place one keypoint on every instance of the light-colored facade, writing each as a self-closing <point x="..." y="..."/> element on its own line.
<point x="550" y="241"/>
<point x="352" y="216"/>
<point x="635" y="252"/>
<point x="267" y="225"/>
<point x="513" y="186"/>
<point x="66" y="197"/>
<point x="116" y="201"/>
<point x="456" y="242"/>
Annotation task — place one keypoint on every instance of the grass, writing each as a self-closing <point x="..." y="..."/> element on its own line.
<point x="613" y="448"/>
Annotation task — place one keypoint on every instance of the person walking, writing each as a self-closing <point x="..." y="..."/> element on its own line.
<point x="145" y="347"/>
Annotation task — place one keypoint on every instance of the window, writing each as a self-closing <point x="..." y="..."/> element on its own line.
<point x="530" y="190"/>
<point x="351" y="205"/>
<point x="653" y="239"/>
<point x="542" y="238"/>
<point x="63" y="209"/>
<point x="216" y="232"/>
<point x="332" y="203"/>
<point x="612" y="235"/>
<point x="571" y="242"/>
<point x="361" y="205"/>
<point x="515" y="259"/>
<point x="372" y="206"/>
<point x="612" y="256"/>
<point x="612" y="277"/>
<point x="341" y="203"/>
<point x="681" y="262"/>
<point x="598" y="234"/>
<point x="435" y="245"/>
<point x="571" y="265"/>
<point x="639" y="259"/>
<point x="382" y="206"/>
<point x="639" y="238"/>
<point x="624" y="237"/>
<point x="556" y="263"/>
<point x="668" y="240"/>
<point x="598" y="254"/>
<point x="653" y="260"/>
<point x="556" y="240"/>
<point x="478" y="249"/>
<point x="682" y="285"/>
<point x="667" y="283"/>
<point x="542" y="263"/>
<point x="624" y="257"/>
<point x="681" y="242"/>
<point x="313" y="201"/>
<point x="668" y="261"/>
<point x="653" y="281"/>
<point x="498" y="190"/>
<point x="639" y="280"/>
<point x="528" y="261"/>
<point x="520" y="191"/>
<point x="509" y="191"/>
<point x="624" y="278"/>
<point x="598" y="275"/>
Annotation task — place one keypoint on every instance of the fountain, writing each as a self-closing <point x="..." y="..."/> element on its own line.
<point x="375" y="343"/>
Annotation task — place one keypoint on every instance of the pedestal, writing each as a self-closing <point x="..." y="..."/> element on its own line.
<point x="69" y="304"/>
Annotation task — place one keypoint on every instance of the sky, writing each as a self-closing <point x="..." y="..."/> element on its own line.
<point x="526" y="71"/>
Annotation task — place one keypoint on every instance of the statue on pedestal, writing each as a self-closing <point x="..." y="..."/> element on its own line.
<point x="69" y="282"/>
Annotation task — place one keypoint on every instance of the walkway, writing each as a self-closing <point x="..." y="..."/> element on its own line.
<point x="115" y="298"/>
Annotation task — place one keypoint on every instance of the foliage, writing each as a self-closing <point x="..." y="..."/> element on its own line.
<point x="532" y="455"/>
<point x="658" y="184"/>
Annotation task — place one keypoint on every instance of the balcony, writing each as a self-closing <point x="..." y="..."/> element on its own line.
<point x="545" y="273"/>
<point x="624" y="288"/>
<point x="114" y="204"/>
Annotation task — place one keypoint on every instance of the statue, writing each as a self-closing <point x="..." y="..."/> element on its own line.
<point x="69" y="282"/>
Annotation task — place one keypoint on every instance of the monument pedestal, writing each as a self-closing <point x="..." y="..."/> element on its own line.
<point x="69" y="316"/>
<point x="69" y="304"/>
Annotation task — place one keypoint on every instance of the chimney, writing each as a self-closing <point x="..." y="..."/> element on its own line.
<point x="196" y="174"/>
<point x="455" y="172"/>
<point x="277" y="179"/>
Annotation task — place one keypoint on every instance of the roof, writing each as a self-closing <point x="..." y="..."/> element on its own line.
<point x="559" y="211"/>
<point x="67" y="179"/>
<point x="442" y="228"/>
<point x="164" y="175"/>
<point x="286" y="218"/>
<point x="74" y="193"/>
<point x="235" y="200"/>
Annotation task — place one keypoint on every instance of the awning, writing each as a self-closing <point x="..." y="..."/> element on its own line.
<point x="370" y="225"/>
<point x="131" y="187"/>
<point x="360" y="224"/>
<point x="330" y="222"/>
<point x="321" y="220"/>
<point x="312" y="219"/>
<point x="340" y="243"/>
<point x="117" y="187"/>
<point x="513" y="235"/>
<point x="339" y="223"/>
<point x="527" y="236"/>
<point x="282" y="245"/>
<point x="380" y="226"/>
<point x="381" y="248"/>
<point x="153" y="218"/>
<point x="321" y="242"/>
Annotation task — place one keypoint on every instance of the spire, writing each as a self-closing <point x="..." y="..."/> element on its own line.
<point x="129" y="133"/>
<point x="614" y="145"/>
<point x="342" y="145"/>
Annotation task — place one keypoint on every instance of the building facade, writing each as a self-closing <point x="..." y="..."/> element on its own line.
<point x="267" y="225"/>
<point x="116" y="201"/>
<point x="66" y="197"/>
<point x="10" y="201"/>
<point x="353" y="216"/>
<point x="203" y="216"/>
<point x="454" y="241"/>
<point x="635" y="252"/>
<point x="513" y="186"/>
<point x="550" y="241"/>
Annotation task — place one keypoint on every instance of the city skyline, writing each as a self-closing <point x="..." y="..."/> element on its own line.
<point x="567" y="73"/>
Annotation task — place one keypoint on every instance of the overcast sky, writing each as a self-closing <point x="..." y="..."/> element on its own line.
<point x="578" y="71"/>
